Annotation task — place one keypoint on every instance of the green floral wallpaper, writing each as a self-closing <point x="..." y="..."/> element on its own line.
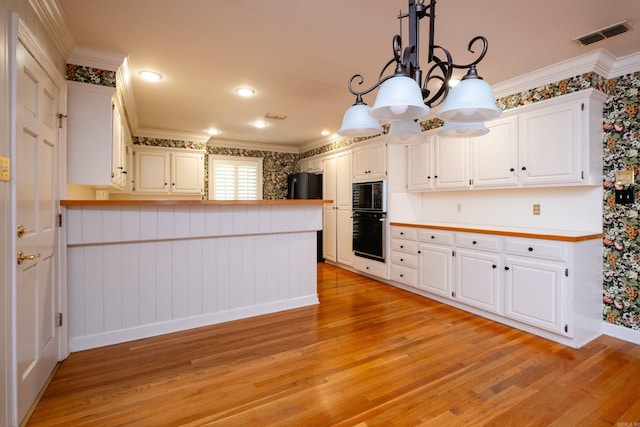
<point x="621" y="126"/>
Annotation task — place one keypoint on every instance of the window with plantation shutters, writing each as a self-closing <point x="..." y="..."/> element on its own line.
<point x="235" y="178"/>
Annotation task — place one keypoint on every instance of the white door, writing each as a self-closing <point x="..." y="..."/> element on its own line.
<point x="36" y="198"/>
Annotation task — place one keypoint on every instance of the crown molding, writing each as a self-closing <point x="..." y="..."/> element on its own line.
<point x="171" y="134"/>
<point x="599" y="61"/>
<point x="626" y="65"/>
<point x="258" y="146"/>
<point x="96" y="58"/>
<point x="55" y="23"/>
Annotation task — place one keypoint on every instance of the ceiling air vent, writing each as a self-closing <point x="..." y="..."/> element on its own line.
<point x="605" y="33"/>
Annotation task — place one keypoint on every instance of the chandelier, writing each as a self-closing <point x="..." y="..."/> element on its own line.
<point x="405" y="97"/>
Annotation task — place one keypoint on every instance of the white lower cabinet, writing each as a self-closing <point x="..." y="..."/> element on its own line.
<point x="478" y="261"/>
<point x="550" y="287"/>
<point x="534" y="293"/>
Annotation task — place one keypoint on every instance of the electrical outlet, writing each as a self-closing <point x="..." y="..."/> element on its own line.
<point x="536" y="209"/>
<point x="5" y="169"/>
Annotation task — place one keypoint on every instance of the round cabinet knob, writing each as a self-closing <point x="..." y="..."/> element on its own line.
<point x="506" y="268"/>
<point x="433" y="237"/>
<point x="401" y="246"/>
<point x="524" y="168"/>
<point x="494" y="266"/>
<point x="474" y="242"/>
<point x="530" y="249"/>
<point x="401" y="259"/>
<point x="402" y="275"/>
<point x="512" y="170"/>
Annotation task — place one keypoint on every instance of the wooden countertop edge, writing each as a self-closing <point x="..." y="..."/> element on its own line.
<point x="190" y="202"/>
<point x="559" y="237"/>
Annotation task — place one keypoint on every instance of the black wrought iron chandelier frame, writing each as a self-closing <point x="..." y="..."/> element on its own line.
<point x="407" y="59"/>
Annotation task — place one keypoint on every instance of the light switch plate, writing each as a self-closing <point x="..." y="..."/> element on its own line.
<point x="5" y="169"/>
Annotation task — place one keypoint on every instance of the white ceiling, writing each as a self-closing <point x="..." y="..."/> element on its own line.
<point x="299" y="54"/>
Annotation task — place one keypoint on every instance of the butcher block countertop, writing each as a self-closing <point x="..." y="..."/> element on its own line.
<point x="166" y="202"/>
<point x="534" y="233"/>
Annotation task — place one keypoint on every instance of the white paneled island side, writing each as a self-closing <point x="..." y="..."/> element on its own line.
<point x="143" y="268"/>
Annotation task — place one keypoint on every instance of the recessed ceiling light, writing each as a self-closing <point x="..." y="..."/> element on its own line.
<point x="260" y="124"/>
<point x="325" y="133"/>
<point x="245" y="91"/>
<point x="213" y="131"/>
<point x="150" y="76"/>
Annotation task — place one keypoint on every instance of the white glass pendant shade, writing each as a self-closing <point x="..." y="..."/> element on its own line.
<point x="399" y="98"/>
<point x="357" y="122"/>
<point x="470" y="101"/>
<point x="405" y="132"/>
<point x="462" y="130"/>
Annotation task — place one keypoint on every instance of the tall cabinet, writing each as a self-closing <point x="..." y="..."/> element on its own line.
<point x="337" y="222"/>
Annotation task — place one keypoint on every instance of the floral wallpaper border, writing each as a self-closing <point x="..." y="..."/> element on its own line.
<point x="621" y="145"/>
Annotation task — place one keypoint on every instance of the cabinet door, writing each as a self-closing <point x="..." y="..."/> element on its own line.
<point x="495" y="155"/>
<point x="344" y="235"/>
<point x="534" y="292"/>
<point x="360" y="164"/>
<point x="118" y="147"/>
<point x="377" y="161"/>
<point x="477" y="279"/>
<point x="329" y="236"/>
<point x="151" y="172"/>
<point x="436" y="269"/>
<point x="89" y="134"/>
<point x="344" y="195"/>
<point x="187" y="173"/>
<point x="452" y="163"/>
<point x="420" y="165"/>
<point x="550" y="145"/>
<point x="329" y="180"/>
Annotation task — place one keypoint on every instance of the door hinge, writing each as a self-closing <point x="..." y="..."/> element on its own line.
<point x="59" y="319"/>
<point x="60" y="117"/>
<point x="453" y="253"/>
<point x="566" y="272"/>
<point x="59" y="220"/>
<point x="566" y="329"/>
<point x="582" y="106"/>
<point x="453" y="294"/>
<point x="582" y="174"/>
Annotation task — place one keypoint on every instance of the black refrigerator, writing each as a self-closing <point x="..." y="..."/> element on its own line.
<point x="305" y="185"/>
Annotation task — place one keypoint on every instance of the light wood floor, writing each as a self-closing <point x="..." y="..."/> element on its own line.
<point x="368" y="355"/>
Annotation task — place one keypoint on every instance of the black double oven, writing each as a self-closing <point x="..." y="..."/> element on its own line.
<point x="369" y="218"/>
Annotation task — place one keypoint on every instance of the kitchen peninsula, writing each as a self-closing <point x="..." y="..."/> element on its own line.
<point x="138" y="268"/>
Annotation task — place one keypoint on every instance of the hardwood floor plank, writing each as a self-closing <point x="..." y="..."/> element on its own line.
<point x="369" y="355"/>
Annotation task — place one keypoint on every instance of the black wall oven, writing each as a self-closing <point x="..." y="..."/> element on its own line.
<point x="369" y="219"/>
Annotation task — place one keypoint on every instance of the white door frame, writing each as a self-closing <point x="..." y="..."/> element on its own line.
<point x="20" y="32"/>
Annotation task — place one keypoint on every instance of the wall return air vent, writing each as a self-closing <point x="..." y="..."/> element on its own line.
<point x="605" y="33"/>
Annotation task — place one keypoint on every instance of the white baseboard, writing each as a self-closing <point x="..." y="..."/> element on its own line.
<point x="160" y="328"/>
<point x="621" y="332"/>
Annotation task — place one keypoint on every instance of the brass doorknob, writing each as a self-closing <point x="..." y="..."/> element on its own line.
<point x="22" y="257"/>
<point x="21" y="231"/>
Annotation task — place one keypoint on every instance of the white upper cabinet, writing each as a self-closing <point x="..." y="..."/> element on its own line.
<point x="95" y="137"/>
<point x="556" y="142"/>
<point x="370" y="161"/>
<point x="495" y="155"/>
<point x="452" y="163"/>
<point x="311" y="165"/>
<point x="168" y="171"/>
<point x="420" y="165"/>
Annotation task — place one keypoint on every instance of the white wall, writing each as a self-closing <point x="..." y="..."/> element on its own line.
<point x="566" y="208"/>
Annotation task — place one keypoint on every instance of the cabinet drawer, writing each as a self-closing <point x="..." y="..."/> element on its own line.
<point x="401" y="258"/>
<point x="436" y="236"/>
<point x="406" y="246"/>
<point x="404" y="275"/>
<point x="369" y="266"/>
<point x="404" y="233"/>
<point x="479" y="241"/>
<point x="536" y="248"/>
